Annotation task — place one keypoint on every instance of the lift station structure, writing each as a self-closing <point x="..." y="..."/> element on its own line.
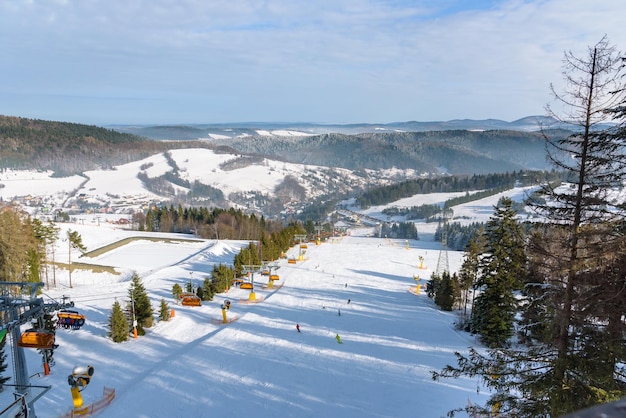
<point x="20" y="305"/>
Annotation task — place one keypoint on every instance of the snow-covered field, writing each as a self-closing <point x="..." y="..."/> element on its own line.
<point x="260" y="365"/>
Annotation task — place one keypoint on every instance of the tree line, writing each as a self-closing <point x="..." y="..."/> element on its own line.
<point x="446" y="184"/>
<point x="548" y="297"/>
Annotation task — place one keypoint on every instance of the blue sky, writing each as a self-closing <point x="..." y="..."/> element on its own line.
<point x="224" y="61"/>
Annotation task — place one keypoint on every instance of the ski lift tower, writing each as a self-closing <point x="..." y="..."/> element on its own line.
<point x="301" y="245"/>
<point x="250" y="270"/>
<point x="318" y="234"/>
<point x="443" y="265"/>
<point x="16" y="309"/>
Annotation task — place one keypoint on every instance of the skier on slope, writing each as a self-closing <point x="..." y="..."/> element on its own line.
<point x="298" y="327"/>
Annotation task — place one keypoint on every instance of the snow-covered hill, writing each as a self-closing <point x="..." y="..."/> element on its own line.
<point x="259" y="365"/>
<point x="120" y="190"/>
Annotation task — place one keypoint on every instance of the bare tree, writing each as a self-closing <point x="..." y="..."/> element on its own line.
<point x="74" y="240"/>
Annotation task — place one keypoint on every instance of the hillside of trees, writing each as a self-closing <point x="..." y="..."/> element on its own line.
<point x="71" y="148"/>
<point x="452" y="151"/>
<point x="489" y="183"/>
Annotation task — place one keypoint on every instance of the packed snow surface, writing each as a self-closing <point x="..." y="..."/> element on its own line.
<point x="355" y="287"/>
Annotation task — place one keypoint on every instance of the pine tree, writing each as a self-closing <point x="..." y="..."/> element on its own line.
<point x="208" y="289"/>
<point x="448" y="291"/>
<point x="470" y="271"/>
<point x="221" y="277"/>
<point x="177" y="291"/>
<point x="164" y="311"/>
<point x="118" y="324"/>
<point x="139" y="305"/>
<point x="502" y="270"/>
<point x="576" y="260"/>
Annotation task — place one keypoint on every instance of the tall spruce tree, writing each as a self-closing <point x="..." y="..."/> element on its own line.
<point x="177" y="290"/>
<point x="208" y="289"/>
<point x="501" y="272"/>
<point x="448" y="291"/>
<point x="164" y="311"/>
<point x="576" y="258"/>
<point x="118" y="324"/>
<point x="469" y="272"/>
<point x="139" y="305"/>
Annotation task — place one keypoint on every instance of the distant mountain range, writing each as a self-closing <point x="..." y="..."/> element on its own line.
<point x="232" y="130"/>
<point x="425" y="148"/>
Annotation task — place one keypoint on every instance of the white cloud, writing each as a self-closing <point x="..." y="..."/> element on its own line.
<point x="324" y="61"/>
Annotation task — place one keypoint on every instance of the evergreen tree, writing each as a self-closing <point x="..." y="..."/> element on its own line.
<point x="433" y="285"/>
<point x="164" y="311"/>
<point x="247" y="257"/>
<point x="502" y="270"/>
<point x="448" y="291"/>
<point x="208" y="289"/>
<point x="576" y="255"/>
<point x="177" y="291"/>
<point x="139" y="305"/>
<point x="470" y="271"/>
<point x="221" y="277"/>
<point x="118" y="324"/>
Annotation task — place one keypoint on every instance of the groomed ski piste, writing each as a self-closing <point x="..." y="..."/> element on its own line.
<point x="355" y="286"/>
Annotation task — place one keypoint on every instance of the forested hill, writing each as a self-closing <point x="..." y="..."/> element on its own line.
<point x="454" y="152"/>
<point x="68" y="148"/>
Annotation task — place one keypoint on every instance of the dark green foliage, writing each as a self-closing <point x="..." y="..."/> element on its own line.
<point x="208" y="290"/>
<point x="177" y="291"/>
<point x="221" y="278"/>
<point x="460" y="151"/>
<point x="70" y="148"/>
<point x="502" y="271"/>
<point x="446" y="290"/>
<point x="470" y="272"/>
<point x="399" y="230"/>
<point x="248" y="256"/>
<point x="164" y="311"/>
<point x="573" y="305"/>
<point x="494" y="183"/>
<point x="139" y="306"/>
<point x="118" y="324"/>
<point x="457" y="236"/>
<point x="318" y="209"/>
<point x="428" y="212"/>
